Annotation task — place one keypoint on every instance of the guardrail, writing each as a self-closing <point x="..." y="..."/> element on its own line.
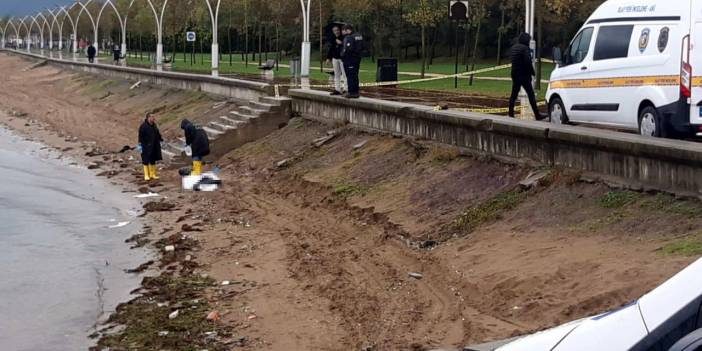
<point x="239" y="90"/>
<point x="635" y="161"/>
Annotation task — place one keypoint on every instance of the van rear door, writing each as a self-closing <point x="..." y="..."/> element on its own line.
<point x="694" y="64"/>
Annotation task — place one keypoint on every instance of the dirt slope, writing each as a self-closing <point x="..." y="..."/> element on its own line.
<point x="323" y="244"/>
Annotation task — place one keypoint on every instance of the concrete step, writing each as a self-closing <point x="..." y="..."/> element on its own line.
<point x="231" y="121"/>
<point x="251" y="111"/>
<point x="243" y="117"/>
<point x="277" y="101"/>
<point x="212" y="133"/>
<point x="263" y="106"/>
<point x="221" y="127"/>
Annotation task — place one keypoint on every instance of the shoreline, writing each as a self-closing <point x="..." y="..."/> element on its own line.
<point x="159" y="278"/>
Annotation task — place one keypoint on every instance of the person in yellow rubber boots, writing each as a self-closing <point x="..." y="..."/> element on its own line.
<point x="150" y="146"/>
<point x="196" y="138"/>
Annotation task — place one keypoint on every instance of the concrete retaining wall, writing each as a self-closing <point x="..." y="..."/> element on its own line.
<point x="239" y="90"/>
<point x="668" y="165"/>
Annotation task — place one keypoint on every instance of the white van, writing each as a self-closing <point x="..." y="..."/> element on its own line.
<point x="631" y="66"/>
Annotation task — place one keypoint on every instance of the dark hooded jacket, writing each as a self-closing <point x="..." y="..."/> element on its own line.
<point x="521" y="57"/>
<point x="91" y="51"/>
<point x="150" y="140"/>
<point x="335" y="48"/>
<point x="196" y="138"/>
<point x="351" y="52"/>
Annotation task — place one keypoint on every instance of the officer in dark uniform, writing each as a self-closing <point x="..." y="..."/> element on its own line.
<point x="351" y="55"/>
<point x="522" y="72"/>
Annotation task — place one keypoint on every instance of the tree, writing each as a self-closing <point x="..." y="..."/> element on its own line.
<point x="425" y="13"/>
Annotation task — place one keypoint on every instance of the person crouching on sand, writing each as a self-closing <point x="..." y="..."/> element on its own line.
<point x="196" y="138"/>
<point x="150" y="146"/>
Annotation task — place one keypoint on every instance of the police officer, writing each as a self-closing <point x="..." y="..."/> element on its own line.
<point x="522" y="71"/>
<point x="351" y="55"/>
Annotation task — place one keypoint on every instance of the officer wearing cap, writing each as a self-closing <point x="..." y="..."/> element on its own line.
<point x="351" y="56"/>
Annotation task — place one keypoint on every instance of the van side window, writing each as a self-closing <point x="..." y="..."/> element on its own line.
<point x="579" y="47"/>
<point x="613" y="42"/>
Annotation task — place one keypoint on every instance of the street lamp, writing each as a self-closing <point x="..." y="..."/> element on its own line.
<point x="159" y="31"/>
<point x="4" y="31"/>
<point x="41" y="31"/>
<point x="59" y="25"/>
<point x="26" y="28"/>
<point x="92" y="21"/>
<point x="214" y="17"/>
<point x="306" y="45"/>
<point x="74" y="26"/>
<point x="529" y="28"/>
<point x="122" y="23"/>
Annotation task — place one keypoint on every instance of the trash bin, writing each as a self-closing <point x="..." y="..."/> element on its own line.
<point x="387" y="70"/>
<point x="295" y="67"/>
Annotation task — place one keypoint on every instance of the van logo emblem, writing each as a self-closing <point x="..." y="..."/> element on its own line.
<point x="643" y="40"/>
<point x="663" y="39"/>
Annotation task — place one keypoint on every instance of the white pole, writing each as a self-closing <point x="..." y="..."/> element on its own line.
<point x="306" y="45"/>
<point x="532" y="43"/>
<point x="214" y="17"/>
<point x="159" y="31"/>
<point x="124" y="34"/>
<point x="523" y="100"/>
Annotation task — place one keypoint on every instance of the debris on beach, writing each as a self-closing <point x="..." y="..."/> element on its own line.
<point x="119" y="225"/>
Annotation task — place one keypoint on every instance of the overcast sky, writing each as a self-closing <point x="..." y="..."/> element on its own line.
<point x="27" y="7"/>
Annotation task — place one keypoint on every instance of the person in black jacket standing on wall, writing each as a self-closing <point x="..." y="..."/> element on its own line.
<point x="199" y="143"/>
<point x="522" y="71"/>
<point x="351" y="55"/>
<point x="150" y="146"/>
<point x="334" y="57"/>
<point x="92" y="52"/>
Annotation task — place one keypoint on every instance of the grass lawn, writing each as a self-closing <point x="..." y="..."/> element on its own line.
<point x="442" y="65"/>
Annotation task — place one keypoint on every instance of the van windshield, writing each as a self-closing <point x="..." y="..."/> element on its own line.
<point x="579" y="47"/>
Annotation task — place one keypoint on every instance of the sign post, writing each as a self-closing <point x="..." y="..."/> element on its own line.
<point x="191" y="37"/>
<point x="458" y="12"/>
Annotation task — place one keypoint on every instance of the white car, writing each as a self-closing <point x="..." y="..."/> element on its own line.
<point x="669" y="318"/>
<point x="631" y="66"/>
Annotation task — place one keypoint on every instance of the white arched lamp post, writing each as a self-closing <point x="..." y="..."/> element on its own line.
<point x="41" y="30"/>
<point x="122" y="23"/>
<point x="4" y="31"/>
<point x="31" y="25"/>
<point x="51" y="35"/>
<point x="159" y="31"/>
<point x="306" y="45"/>
<point x="124" y="32"/>
<point x="529" y="28"/>
<point x="74" y="26"/>
<point x="214" y="17"/>
<point x="27" y="39"/>
<point x="84" y="8"/>
<point x="59" y="25"/>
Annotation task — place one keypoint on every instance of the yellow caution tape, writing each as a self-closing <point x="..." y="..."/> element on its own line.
<point x="492" y="110"/>
<point x="399" y="82"/>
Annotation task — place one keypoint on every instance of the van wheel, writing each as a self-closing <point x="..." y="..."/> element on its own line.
<point x="650" y="123"/>
<point x="557" y="112"/>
